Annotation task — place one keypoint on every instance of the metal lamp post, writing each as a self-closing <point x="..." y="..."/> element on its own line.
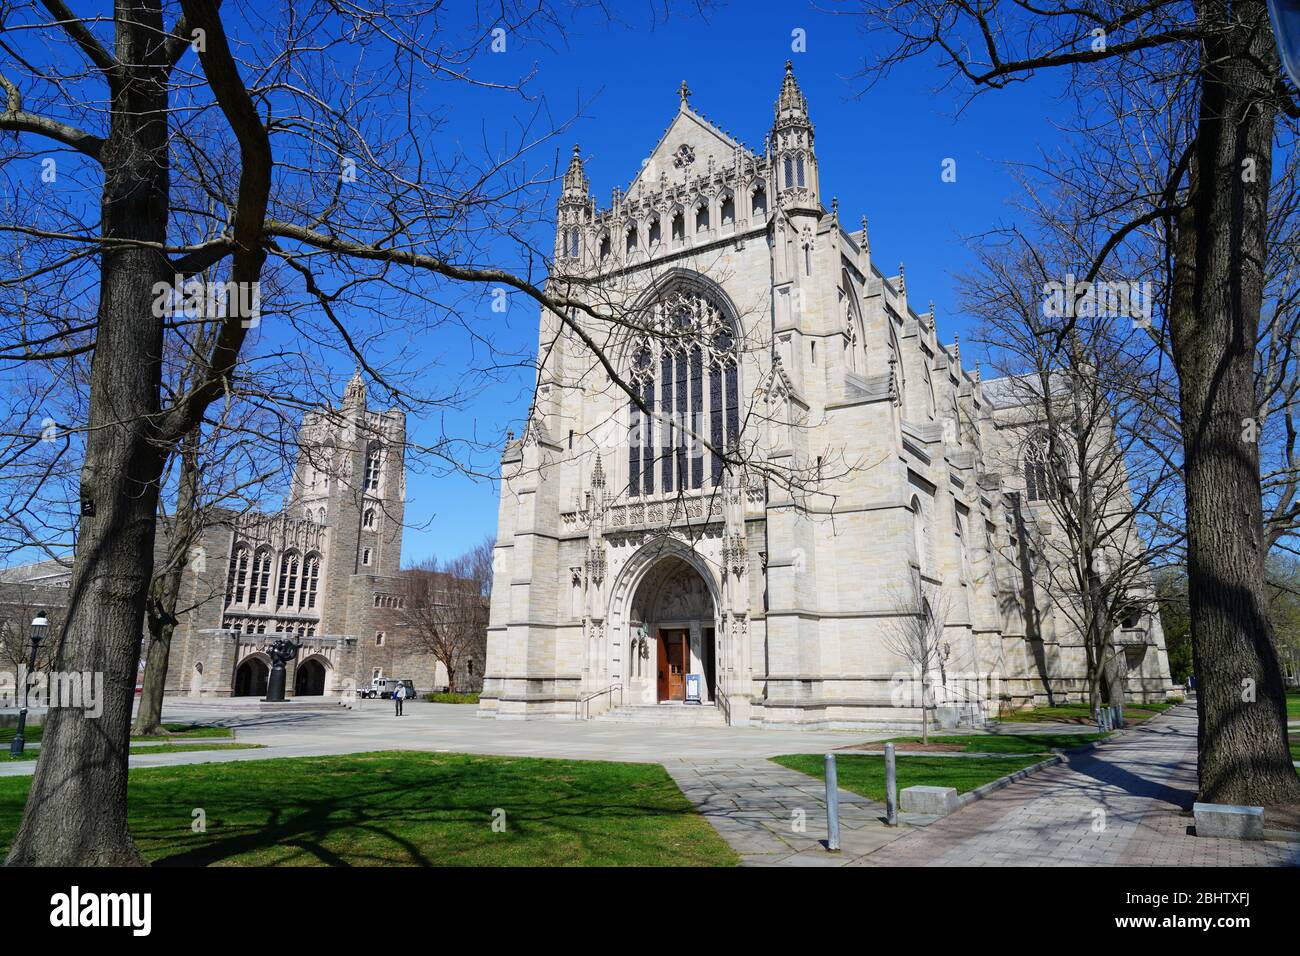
<point x="39" y="623"/>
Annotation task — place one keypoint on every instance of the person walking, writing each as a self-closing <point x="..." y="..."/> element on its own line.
<point x="399" y="695"/>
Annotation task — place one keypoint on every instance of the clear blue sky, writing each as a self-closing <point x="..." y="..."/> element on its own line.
<point x="880" y="152"/>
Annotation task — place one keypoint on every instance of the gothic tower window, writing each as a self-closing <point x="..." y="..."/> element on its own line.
<point x="373" y="458"/>
<point x="728" y="211"/>
<point x="261" y="576"/>
<point x="630" y="246"/>
<point x="656" y="232"/>
<point x="798" y="174"/>
<point x="702" y="217"/>
<point x="1038" y="477"/>
<point x="368" y="518"/>
<point x="758" y="201"/>
<point x="678" y="226"/>
<point x="851" y="319"/>
<point x="287" y="593"/>
<point x="238" y="575"/>
<point x="604" y="247"/>
<point x="678" y="420"/>
<point x="789" y="170"/>
<point x="310" y="579"/>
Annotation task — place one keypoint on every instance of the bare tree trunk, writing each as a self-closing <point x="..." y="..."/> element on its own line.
<point x="164" y="591"/>
<point x="925" y="712"/>
<point x="1218" y="290"/>
<point x="76" y="810"/>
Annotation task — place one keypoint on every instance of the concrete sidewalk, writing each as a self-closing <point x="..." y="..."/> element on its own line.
<point x="323" y="731"/>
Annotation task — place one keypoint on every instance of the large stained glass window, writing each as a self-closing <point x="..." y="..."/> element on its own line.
<point x="679" y="419"/>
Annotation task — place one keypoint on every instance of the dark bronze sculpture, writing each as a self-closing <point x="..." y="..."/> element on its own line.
<point x="281" y="651"/>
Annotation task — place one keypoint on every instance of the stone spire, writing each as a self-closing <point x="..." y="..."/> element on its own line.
<point x="791" y="105"/>
<point x="355" y="393"/>
<point x="573" y="212"/>
<point x="792" y="148"/>
<point x="575" y="180"/>
<point x="902" y="292"/>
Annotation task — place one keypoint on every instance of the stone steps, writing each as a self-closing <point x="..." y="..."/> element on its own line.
<point x="666" y="715"/>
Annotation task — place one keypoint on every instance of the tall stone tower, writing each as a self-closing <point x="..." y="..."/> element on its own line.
<point x="350" y="476"/>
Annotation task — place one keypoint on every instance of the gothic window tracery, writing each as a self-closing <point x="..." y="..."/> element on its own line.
<point x="287" y="592"/>
<point x="238" y="575"/>
<point x="758" y="201"/>
<point x="851" y="319"/>
<point x="373" y="459"/>
<point x="690" y="339"/>
<point x="261" y="576"/>
<point x="310" y="579"/>
<point x="1039" y="484"/>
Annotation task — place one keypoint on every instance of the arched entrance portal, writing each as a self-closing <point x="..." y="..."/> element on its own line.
<point x="309" y="680"/>
<point x="673" y="628"/>
<point x="250" y="678"/>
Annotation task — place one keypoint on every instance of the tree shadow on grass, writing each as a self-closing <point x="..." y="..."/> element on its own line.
<point x="420" y="810"/>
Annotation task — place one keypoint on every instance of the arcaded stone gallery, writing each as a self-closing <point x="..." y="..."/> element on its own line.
<point x="745" y="446"/>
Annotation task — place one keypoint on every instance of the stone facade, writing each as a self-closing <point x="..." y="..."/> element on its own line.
<point x="323" y="569"/>
<point x="779" y="447"/>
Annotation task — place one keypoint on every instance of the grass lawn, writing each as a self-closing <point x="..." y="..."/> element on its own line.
<point x="1293" y="704"/>
<point x="442" y="697"/>
<point x="865" y="773"/>
<point x="167" y="748"/>
<point x="1007" y="743"/>
<point x="1079" y="713"/>
<point x="434" y="809"/>
<point x="183" y="731"/>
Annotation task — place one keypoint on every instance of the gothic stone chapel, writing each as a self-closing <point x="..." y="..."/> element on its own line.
<point x="800" y="448"/>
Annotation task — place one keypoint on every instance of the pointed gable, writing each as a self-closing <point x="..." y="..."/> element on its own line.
<point x="701" y="140"/>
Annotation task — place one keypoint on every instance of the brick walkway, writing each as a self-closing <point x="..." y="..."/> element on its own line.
<point x="1126" y="803"/>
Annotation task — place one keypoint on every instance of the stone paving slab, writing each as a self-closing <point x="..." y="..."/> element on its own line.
<point x="762" y="830"/>
<point x="1124" y="803"/>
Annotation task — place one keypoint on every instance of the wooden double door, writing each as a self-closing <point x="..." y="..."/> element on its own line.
<point x="674" y="659"/>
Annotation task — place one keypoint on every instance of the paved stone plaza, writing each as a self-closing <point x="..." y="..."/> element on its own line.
<point x="1143" y="781"/>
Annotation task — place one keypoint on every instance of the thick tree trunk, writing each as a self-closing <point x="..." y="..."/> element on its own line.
<point x="76" y="809"/>
<point x="1218" y="291"/>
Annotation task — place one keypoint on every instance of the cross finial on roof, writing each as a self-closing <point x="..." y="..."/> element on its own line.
<point x="685" y="92"/>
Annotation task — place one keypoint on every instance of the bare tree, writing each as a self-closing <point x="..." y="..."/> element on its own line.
<point x="16" y="616"/>
<point x="1099" y="506"/>
<point x="1202" y="90"/>
<point x="915" y="634"/>
<point x="444" y="609"/>
<point x="261" y="130"/>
